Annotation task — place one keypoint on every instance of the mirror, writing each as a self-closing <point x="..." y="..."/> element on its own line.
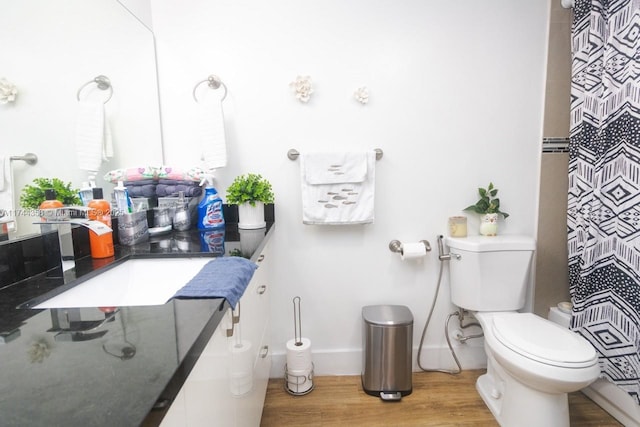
<point x="51" y="49"/>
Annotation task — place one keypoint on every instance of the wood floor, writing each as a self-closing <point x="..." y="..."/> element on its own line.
<point x="437" y="400"/>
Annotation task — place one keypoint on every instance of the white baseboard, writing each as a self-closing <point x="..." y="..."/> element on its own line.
<point x="349" y="362"/>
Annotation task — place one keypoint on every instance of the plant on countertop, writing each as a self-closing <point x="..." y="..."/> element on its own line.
<point x="33" y="195"/>
<point x="250" y="188"/>
<point x="488" y="202"/>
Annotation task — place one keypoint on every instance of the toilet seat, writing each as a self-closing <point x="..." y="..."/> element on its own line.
<point x="542" y="341"/>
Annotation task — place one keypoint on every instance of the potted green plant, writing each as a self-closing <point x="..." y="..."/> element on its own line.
<point x="33" y="195"/>
<point x="489" y="207"/>
<point x="250" y="192"/>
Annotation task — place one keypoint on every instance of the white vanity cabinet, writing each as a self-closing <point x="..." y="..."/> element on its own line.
<point x="228" y="384"/>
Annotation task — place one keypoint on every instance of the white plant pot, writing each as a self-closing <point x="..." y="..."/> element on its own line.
<point x="489" y="224"/>
<point x="251" y="217"/>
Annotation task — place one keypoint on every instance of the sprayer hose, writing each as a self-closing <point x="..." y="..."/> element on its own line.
<point x="446" y="332"/>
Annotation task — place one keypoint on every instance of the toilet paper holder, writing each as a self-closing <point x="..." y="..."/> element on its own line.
<point x="396" y="246"/>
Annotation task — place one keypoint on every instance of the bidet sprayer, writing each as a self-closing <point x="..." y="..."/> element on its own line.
<point x="441" y="255"/>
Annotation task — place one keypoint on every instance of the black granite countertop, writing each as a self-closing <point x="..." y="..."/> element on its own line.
<point x="126" y="362"/>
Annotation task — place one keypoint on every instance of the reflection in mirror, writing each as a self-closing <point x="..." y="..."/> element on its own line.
<point x="140" y="9"/>
<point x="49" y="56"/>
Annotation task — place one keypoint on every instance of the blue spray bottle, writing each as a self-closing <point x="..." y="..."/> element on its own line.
<point x="210" y="207"/>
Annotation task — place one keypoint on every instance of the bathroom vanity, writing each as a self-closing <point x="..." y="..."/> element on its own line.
<point x="184" y="362"/>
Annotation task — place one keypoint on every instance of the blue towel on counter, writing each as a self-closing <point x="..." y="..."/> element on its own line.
<point x="225" y="277"/>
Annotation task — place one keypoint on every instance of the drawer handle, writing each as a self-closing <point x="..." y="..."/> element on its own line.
<point x="234" y="319"/>
<point x="264" y="351"/>
<point x="262" y="289"/>
<point x="261" y="258"/>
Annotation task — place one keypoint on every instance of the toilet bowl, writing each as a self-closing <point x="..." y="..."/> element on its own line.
<point x="531" y="366"/>
<point x="532" y="363"/>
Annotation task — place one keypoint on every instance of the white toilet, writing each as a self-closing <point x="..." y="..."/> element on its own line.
<point x="532" y="363"/>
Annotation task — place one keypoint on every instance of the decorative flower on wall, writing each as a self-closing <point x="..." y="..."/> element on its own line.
<point x="8" y="91"/>
<point x="362" y="95"/>
<point x="302" y="88"/>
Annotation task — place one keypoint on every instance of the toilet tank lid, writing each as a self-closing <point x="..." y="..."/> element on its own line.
<point x="387" y="315"/>
<point x="492" y="243"/>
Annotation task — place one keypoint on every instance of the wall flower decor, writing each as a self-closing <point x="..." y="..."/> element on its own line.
<point x="302" y="88"/>
<point x="362" y="95"/>
<point x="8" y="91"/>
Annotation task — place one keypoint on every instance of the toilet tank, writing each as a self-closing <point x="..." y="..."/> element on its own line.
<point x="490" y="273"/>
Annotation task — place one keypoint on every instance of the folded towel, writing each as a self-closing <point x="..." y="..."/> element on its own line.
<point x="93" y="139"/>
<point x="338" y="188"/>
<point x="226" y="277"/>
<point x="189" y="190"/>
<point x="132" y="174"/>
<point x="195" y="174"/>
<point x="212" y="135"/>
<point x="143" y="188"/>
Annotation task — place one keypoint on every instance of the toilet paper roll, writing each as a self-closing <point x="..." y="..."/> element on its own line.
<point x="413" y="250"/>
<point x="299" y="382"/>
<point x="241" y="373"/>
<point x="240" y="384"/>
<point x="299" y="356"/>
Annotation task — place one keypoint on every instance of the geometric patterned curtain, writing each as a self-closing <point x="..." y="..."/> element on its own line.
<point x="604" y="185"/>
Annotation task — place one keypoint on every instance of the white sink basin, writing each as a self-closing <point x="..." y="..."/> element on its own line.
<point x="135" y="282"/>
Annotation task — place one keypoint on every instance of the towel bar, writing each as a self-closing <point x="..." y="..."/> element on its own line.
<point x="214" y="83"/>
<point x="102" y="82"/>
<point x="29" y="158"/>
<point x="293" y="154"/>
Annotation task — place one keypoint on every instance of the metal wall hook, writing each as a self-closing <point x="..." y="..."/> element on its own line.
<point x="214" y="83"/>
<point x="102" y="82"/>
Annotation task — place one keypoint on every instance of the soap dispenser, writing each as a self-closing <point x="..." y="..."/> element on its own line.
<point x="49" y="207"/>
<point x="210" y="214"/>
<point x="100" y="210"/>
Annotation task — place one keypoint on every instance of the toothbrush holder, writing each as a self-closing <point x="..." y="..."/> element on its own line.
<point x="133" y="228"/>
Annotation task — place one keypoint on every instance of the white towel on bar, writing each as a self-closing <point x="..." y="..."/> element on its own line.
<point x="7" y="212"/>
<point x="212" y="135"/>
<point x="93" y="137"/>
<point x="338" y="188"/>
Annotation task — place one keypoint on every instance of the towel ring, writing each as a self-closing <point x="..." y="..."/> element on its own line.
<point x="293" y="154"/>
<point x="102" y="82"/>
<point x="214" y="83"/>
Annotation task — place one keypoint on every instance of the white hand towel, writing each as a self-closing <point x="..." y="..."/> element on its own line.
<point x="7" y="212"/>
<point x="212" y="135"/>
<point x="107" y="145"/>
<point x="3" y="181"/>
<point x="90" y="139"/>
<point x="338" y="188"/>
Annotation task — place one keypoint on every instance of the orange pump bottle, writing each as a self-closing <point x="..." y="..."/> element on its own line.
<point x="100" y="210"/>
<point x="50" y="202"/>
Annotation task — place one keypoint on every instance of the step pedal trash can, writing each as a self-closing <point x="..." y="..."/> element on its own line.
<point x="387" y="338"/>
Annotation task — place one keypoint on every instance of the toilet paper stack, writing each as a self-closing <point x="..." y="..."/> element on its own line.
<point x="241" y="381"/>
<point x="299" y="369"/>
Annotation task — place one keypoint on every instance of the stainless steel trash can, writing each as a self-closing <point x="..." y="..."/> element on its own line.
<point x="387" y="339"/>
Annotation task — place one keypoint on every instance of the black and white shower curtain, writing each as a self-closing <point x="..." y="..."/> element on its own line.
<point x="604" y="185"/>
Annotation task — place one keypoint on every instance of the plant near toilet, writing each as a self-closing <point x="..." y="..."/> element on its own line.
<point x="489" y="207"/>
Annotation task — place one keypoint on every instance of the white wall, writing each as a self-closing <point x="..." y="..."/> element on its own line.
<point x="456" y="101"/>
